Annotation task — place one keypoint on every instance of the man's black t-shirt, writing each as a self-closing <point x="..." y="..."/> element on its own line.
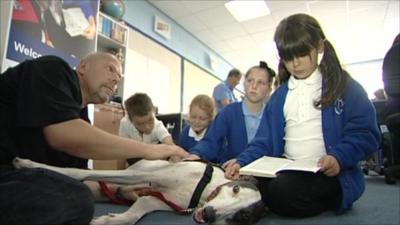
<point x="34" y="94"/>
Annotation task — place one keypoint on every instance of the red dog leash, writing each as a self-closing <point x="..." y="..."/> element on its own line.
<point x="194" y="201"/>
<point x="107" y="192"/>
<point x="119" y="201"/>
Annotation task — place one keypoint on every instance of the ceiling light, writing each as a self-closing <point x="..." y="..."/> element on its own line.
<point x="246" y="10"/>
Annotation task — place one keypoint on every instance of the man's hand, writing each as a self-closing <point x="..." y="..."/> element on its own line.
<point x="232" y="169"/>
<point x="163" y="151"/>
<point x="329" y="165"/>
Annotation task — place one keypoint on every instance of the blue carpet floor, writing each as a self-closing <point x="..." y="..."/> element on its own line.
<point x="379" y="205"/>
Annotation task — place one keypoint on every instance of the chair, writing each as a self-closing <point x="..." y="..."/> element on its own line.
<point x="391" y="80"/>
<point x="174" y="123"/>
<point x="375" y="161"/>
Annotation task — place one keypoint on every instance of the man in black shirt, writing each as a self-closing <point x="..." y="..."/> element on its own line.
<point x="43" y="117"/>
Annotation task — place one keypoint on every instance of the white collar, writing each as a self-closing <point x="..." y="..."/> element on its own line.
<point x="196" y="136"/>
<point x="314" y="78"/>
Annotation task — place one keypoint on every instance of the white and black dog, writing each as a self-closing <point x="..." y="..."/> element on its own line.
<point x="215" y="199"/>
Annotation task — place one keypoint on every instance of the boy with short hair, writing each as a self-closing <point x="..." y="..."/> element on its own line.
<point x="141" y="124"/>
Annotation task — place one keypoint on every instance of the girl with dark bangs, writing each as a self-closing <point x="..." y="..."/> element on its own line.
<point x="319" y="113"/>
<point x="297" y="37"/>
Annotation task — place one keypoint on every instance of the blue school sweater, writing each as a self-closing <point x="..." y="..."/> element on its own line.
<point x="350" y="134"/>
<point x="226" y="137"/>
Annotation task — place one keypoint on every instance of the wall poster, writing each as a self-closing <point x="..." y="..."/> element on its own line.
<point x="66" y="28"/>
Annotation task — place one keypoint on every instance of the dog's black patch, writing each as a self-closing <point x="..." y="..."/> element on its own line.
<point x="249" y="215"/>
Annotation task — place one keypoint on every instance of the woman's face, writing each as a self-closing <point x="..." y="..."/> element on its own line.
<point x="198" y="119"/>
<point x="303" y="66"/>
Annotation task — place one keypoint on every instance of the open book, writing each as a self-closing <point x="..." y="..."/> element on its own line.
<point x="267" y="166"/>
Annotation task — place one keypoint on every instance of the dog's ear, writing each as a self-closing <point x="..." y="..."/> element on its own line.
<point x="249" y="179"/>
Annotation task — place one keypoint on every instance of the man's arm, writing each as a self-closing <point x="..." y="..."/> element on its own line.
<point x="221" y="95"/>
<point x="77" y="137"/>
<point x="225" y="102"/>
<point x="168" y="140"/>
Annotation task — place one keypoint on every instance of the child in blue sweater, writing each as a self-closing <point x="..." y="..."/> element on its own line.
<point x="236" y="124"/>
<point x="201" y="114"/>
<point x="321" y="114"/>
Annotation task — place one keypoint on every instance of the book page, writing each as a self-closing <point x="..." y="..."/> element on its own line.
<point x="75" y="21"/>
<point x="302" y="165"/>
<point x="265" y="166"/>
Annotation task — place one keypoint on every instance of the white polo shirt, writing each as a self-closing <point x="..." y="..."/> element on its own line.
<point x="303" y="131"/>
<point x="159" y="132"/>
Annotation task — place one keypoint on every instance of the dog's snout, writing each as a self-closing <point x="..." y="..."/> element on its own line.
<point x="209" y="214"/>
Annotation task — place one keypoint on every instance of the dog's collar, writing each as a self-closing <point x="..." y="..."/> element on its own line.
<point x="194" y="201"/>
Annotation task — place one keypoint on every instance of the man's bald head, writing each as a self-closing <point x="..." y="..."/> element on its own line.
<point x="99" y="74"/>
<point x="100" y="56"/>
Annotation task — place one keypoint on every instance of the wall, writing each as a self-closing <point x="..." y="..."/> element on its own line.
<point x="153" y="69"/>
<point x="140" y="14"/>
<point x="368" y="74"/>
<point x="196" y="81"/>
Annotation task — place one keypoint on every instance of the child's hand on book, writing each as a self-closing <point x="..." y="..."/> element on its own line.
<point x="191" y="157"/>
<point x="232" y="169"/>
<point x="329" y="165"/>
<point x="229" y="162"/>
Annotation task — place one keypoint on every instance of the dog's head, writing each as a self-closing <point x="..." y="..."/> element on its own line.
<point x="236" y="202"/>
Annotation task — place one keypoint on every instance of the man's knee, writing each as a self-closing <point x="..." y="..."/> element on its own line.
<point x="81" y="205"/>
<point x="38" y="196"/>
<point x="75" y="199"/>
<point x="57" y="198"/>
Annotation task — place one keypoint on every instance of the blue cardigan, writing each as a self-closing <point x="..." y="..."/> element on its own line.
<point x="350" y="134"/>
<point x="226" y="137"/>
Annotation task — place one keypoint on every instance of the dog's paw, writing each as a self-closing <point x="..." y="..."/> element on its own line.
<point x="102" y="220"/>
<point x="112" y="219"/>
<point x="22" y="163"/>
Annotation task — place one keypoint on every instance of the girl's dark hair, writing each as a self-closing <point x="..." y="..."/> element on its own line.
<point x="283" y="73"/>
<point x="264" y="66"/>
<point x="296" y="36"/>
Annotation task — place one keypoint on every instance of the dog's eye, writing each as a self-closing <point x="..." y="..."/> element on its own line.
<point x="236" y="189"/>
